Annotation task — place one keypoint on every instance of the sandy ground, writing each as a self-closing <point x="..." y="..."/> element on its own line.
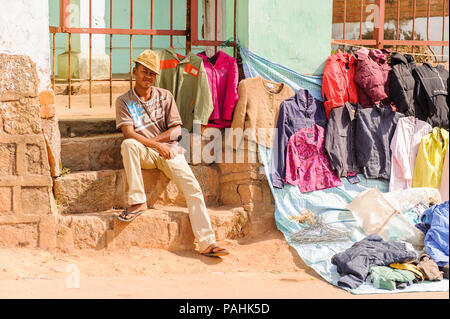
<point x="261" y="268"/>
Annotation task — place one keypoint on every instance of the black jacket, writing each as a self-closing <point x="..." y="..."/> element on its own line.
<point x="402" y="82"/>
<point x="375" y="128"/>
<point x="431" y="95"/>
<point x="340" y="139"/>
<point x="354" y="263"/>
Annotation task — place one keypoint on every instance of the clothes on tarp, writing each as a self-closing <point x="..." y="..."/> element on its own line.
<point x="307" y="164"/>
<point x="372" y="77"/>
<point x="299" y="111"/>
<point x="410" y="267"/>
<point x="402" y="83"/>
<point x="437" y="237"/>
<point x="340" y="139"/>
<point x="430" y="159"/>
<point x="429" y="268"/>
<point x="418" y="210"/>
<point x="404" y="146"/>
<point x="223" y="78"/>
<point x="186" y="79"/>
<point x="354" y="263"/>
<point x="388" y="278"/>
<point x="375" y="128"/>
<point x="385" y="213"/>
<point x="444" y="270"/>
<point x="431" y="94"/>
<point x="257" y="108"/>
<point x="338" y="85"/>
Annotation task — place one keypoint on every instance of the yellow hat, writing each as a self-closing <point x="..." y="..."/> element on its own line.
<point x="149" y="59"/>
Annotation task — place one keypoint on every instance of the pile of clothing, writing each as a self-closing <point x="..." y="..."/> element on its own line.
<point x="387" y="265"/>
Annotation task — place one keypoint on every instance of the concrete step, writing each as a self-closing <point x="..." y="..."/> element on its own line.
<point x="163" y="227"/>
<point x="94" y="153"/>
<point x="86" y="127"/>
<point x="94" y="191"/>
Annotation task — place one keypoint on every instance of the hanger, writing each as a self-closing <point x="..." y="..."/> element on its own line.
<point x="226" y="43"/>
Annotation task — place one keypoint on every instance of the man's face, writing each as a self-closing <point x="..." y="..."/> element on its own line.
<point x="144" y="76"/>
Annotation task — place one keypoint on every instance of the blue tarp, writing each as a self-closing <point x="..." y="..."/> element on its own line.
<point x="329" y="204"/>
<point x="255" y="65"/>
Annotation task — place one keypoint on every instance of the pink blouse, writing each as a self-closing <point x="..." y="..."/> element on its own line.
<point x="223" y="78"/>
<point x="307" y="165"/>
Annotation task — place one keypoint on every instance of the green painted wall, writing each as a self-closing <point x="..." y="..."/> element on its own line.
<point x="295" y="34"/>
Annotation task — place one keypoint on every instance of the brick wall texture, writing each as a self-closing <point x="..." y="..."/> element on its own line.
<point x="353" y="9"/>
<point x="25" y="179"/>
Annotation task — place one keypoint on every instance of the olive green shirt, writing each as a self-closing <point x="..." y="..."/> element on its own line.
<point x="186" y="79"/>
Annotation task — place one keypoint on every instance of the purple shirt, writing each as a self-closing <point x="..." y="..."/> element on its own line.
<point x="307" y="165"/>
<point x="223" y="79"/>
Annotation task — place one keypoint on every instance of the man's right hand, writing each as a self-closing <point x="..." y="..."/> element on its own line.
<point x="164" y="150"/>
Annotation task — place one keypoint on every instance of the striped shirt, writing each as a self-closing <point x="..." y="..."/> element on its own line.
<point x="149" y="118"/>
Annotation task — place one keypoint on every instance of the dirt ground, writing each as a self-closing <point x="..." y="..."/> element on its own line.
<point x="259" y="268"/>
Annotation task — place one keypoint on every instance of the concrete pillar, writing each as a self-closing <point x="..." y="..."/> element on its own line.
<point x="209" y="7"/>
<point x="79" y="17"/>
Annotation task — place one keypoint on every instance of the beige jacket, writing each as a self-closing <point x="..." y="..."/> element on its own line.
<point x="257" y="108"/>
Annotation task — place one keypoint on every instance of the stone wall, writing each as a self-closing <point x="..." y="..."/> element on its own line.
<point x="26" y="200"/>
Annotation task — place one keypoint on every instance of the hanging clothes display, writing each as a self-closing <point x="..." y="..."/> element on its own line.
<point x="404" y="146"/>
<point x="437" y="237"/>
<point x="430" y="159"/>
<point x="354" y="264"/>
<point x="186" y="79"/>
<point x="372" y="77"/>
<point x="223" y="78"/>
<point x="402" y="83"/>
<point x="340" y="139"/>
<point x="299" y="111"/>
<point x="338" y="85"/>
<point x="431" y="94"/>
<point x="307" y="164"/>
<point x="375" y="128"/>
<point x="258" y="107"/>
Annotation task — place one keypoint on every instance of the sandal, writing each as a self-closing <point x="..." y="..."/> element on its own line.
<point x="212" y="253"/>
<point x="125" y="213"/>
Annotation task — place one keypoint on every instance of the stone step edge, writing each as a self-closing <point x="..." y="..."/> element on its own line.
<point x="159" y="227"/>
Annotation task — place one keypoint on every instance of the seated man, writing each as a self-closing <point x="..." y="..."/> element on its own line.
<point x="149" y="119"/>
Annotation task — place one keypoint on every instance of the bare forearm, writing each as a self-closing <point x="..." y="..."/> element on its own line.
<point x="170" y="135"/>
<point x="167" y="136"/>
<point x="142" y="139"/>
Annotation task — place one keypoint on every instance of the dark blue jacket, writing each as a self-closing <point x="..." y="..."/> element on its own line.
<point x="300" y="111"/>
<point x="354" y="264"/>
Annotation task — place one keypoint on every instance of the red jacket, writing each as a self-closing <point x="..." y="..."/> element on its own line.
<point x="338" y="84"/>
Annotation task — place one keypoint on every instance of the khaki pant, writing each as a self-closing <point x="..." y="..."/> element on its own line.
<point x="136" y="156"/>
